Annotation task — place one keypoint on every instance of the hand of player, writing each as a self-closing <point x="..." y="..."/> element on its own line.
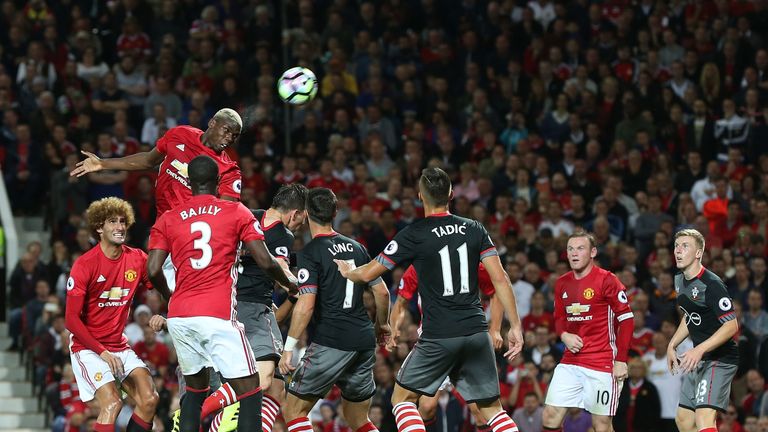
<point x="572" y="342"/>
<point x="89" y="165"/>
<point x="158" y="323"/>
<point x="114" y="362"/>
<point x="620" y="370"/>
<point x="496" y="340"/>
<point x="285" y="365"/>
<point x="383" y="335"/>
<point x="673" y="362"/>
<point x="690" y="360"/>
<point x="393" y="340"/>
<point x="515" y="339"/>
<point x="344" y="267"/>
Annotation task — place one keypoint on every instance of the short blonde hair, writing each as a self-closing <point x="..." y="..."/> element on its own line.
<point x="690" y="232"/>
<point x="100" y="211"/>
<point x="228" y="115"/>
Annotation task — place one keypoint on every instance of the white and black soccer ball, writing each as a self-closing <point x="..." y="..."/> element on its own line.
<point x="297" y="86"/>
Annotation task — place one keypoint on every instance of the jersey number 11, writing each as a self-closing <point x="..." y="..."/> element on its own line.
<point x="445" y="263"/>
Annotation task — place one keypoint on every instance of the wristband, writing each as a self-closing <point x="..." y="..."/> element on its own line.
<point x="290" y="343"/>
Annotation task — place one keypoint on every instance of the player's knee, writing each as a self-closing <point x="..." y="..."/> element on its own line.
<point x="265" y="382"/>
<point x="427" y="407"/>
<point x="685" y="421"/>
<point x="111" y="405"/>
<point x="551" y="416"/>
<point x="148" y="401"/>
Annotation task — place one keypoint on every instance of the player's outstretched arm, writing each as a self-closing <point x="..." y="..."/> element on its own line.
<point x="134" y="162"/>
<point x="269" y="264"/>
<point x="362" y="274"/>
<point x="381" y="298"/>
<point x="506" y="295"/>
<point x="395" y="320"/>
<point x="155" y="262"/>
<point x="302" y="313"/>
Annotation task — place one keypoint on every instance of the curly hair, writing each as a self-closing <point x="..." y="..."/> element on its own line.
<point x="100" y="211"/>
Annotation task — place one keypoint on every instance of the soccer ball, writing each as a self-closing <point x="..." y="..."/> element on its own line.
<point x="297" y="85"/>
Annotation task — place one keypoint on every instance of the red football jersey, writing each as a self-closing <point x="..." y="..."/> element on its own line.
<point x="109" y="287"/>
<point x="206" y="282"/>
<point x="409" y="284"/>
<point x="590" y="307"/>
<point x="180" y="145"/>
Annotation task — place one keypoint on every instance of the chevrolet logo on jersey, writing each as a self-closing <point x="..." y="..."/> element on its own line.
<point x="181" y="167"/>
<point x="575" y="310"/>
<point x="114" y="297"/>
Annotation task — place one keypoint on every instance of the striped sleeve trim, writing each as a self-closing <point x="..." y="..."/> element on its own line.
<point x="728" y="316"/>
<point x="625" y="316"/>
<point x="308" y="289"/>
<point x="385" y="261"/>
<point x="376" y="281"/>
<point x="491" y="251"/>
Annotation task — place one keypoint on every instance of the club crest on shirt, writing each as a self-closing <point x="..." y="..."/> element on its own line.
<point x="130" y="275"/>
<point x="589" y="293"/>
<point x="695" y="293"/>
<point x="391" y="248"/>
<point x="98" y="376"/>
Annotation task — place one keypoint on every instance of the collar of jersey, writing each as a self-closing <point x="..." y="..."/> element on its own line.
<point x="443" y="214"/>
<point x="330" y="234"/>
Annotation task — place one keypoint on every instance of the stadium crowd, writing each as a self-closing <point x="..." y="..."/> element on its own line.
<point x="632" y="119"/>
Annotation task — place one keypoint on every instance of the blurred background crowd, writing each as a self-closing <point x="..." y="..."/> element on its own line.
<point x="630" y="118"/>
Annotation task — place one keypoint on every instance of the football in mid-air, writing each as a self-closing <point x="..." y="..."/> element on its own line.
<point x="297" y="85"/>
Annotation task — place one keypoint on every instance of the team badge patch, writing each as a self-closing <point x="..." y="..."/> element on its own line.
<point x="130" y="275"/>
<point x="237" y="185"/>
<point x="303" y="275"/>
<point x="623" y="297"/>
<point x="391" y="248"/>
<point x="725" y="304"/>
<point x="589" y="293"/>
<point x="695" y="293"/>
<point x="70" y="283"/>
<point x="257" y="227"/>
<point x="98" y="376"/>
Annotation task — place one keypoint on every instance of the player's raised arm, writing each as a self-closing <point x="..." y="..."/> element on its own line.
<point x="269" y="264"/>
<point x="506" y="296"/>
<point x="362" y="274"/>
<point x="135" y="162"/>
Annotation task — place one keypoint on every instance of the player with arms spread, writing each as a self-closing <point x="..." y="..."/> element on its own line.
<point x="202" y="317"/>
<point x="343" y="349"/>
<point x="588" y="302"/>
<point x="710" y="322"/>
<point x="100" y="291"/>
<point x="445" y="251"/>
<point x="173" y="153"/>
<point x="254" y="301"/>
<point x="408" y="288"/>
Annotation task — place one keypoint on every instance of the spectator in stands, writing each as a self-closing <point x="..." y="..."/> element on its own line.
<point x="528" y="417"/>
<point x="755" y="317"/>
<point x="639" y="405"/>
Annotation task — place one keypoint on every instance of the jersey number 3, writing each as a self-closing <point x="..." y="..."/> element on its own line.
<point x="201" y="244"/>
<point x="445" y="263"/>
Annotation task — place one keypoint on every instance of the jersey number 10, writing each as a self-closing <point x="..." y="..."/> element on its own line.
<point x="445" y="263"/>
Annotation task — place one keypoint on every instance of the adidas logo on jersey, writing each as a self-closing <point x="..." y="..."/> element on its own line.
<point x="565" y="295"/>
<point x="101" y="278"/>
<point x="180" y="147"/>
